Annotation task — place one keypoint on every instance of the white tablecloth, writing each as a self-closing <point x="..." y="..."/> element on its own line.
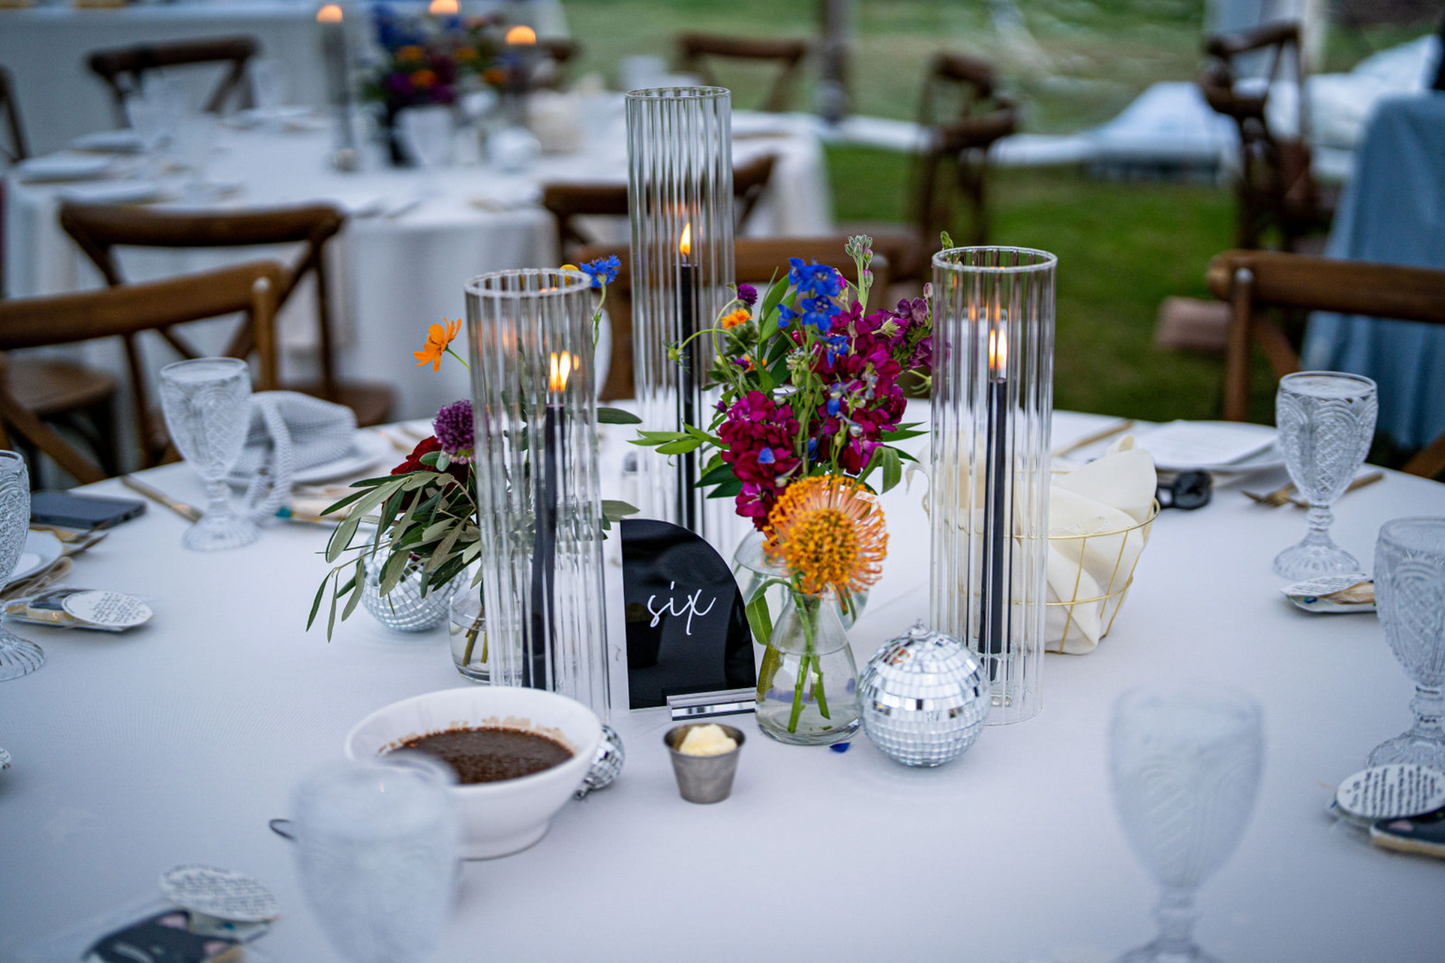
<point x="46" y="47"/>
<point x="177" y="742"/>
<point x="395" y="275"/>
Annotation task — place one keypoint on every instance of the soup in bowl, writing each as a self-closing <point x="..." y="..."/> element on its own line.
<point x="490" y="734"/>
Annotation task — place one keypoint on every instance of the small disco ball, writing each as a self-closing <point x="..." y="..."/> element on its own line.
<point x="924" y="698"/>
<point x="606" y="765"/>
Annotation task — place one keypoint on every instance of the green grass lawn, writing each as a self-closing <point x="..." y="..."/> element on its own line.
<point x="1122" y="248"/>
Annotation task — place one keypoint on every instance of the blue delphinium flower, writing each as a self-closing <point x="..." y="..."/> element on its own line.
<point x="815" y="278"/>
<point x="603" y="270"/>
<point x="786" y="315"/>
<point x="766" y="457"/>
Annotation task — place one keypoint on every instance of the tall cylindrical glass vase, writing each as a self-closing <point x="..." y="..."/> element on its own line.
<point x="993" y="349"/>
<point x="538" y="497"/>
<point x="680" y="201"/>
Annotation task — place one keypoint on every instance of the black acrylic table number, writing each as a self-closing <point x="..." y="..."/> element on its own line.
<point x="687" y="627"/>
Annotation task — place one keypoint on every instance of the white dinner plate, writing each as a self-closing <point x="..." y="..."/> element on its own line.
<point x="109" y="142"/>
<point x="1173" y="453"/>
<point x="367" y="449"/>
<point x="64" y="167"/>
<point x="41" y="548"/>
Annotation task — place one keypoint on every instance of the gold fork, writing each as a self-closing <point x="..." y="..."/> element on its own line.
<point x="1275" y="498"/>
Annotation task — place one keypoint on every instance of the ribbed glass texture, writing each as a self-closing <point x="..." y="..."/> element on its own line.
<point x="993" y="351"/>
<point x="538" y="497"/>
<point x="680" y="201"/>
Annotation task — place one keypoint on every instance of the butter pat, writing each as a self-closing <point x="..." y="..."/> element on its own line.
<point x="707" y="740"/>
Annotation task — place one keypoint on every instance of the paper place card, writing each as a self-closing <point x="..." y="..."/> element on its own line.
<point x="1390" y="792"/>
<point x="107" y="610"/>
<point x="1185" y="444"/>
<point x="221" y="893"/>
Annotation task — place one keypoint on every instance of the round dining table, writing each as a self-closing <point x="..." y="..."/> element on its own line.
<point x="178" y="741"/>
<point x="412" y="236"/>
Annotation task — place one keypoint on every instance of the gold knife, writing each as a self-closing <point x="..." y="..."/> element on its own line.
<point x="187" y="512"/>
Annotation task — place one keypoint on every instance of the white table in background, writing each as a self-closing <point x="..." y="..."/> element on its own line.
<point x="394" y="275"/>
<point x="46" y="48"/>
<point x="177" y="742"/>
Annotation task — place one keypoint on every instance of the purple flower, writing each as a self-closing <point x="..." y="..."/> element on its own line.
<point x="747" y="294"/>
<point x="455" y="431"/>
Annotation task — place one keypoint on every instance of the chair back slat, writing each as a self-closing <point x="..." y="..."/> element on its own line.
<point x="17" y="149"/>
<point x="696" y="51"/>
<point x="123" y="69"/>
<point x="124" y="312"/>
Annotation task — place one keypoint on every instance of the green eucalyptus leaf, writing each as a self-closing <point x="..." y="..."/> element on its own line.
<point x="614" y="510"/>
<point x="616" y="416"/>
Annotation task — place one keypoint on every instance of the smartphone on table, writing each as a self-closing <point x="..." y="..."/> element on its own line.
<point x="86" y="513"/>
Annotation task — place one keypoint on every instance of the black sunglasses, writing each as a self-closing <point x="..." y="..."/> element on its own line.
<point x="1189" y="490"/>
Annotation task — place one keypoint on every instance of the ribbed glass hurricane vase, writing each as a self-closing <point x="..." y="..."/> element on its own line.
<point x="993" y="350"/>
<point x="680" y="202"/>
<point x="538" y="498"/>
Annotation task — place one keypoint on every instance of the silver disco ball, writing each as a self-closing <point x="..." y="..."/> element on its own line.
<point x="924" y="698"/>
<point x="606" y="765"/>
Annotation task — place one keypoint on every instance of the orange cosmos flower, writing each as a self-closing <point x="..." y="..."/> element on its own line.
<point x="828" y="529"/>
<point x="438" y="341"/>
<point x="409" y="53"/>
<point x="735" y="318"/>
<point x="424" y="79"/>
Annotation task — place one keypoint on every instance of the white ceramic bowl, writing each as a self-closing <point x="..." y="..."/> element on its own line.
<point x="499" y="818"/>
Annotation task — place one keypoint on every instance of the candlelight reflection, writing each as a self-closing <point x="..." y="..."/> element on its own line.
<point x="331" y="13"/>
<point x="560" y="368"/>
<point x="520" y="35"/>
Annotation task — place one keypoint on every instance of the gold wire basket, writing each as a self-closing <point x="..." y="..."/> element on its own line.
<point x="1111" y="596"/>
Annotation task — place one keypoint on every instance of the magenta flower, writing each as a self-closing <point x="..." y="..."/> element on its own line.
<point x="456" y="431"/>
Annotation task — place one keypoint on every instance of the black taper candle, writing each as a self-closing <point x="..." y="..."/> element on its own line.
<point x="544" y="537"/>
<point x="996" y="502"/>
<point x="687" y="389"/>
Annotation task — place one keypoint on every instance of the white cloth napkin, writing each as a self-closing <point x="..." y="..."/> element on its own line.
<point x="290" y="432"/>
<point x="1114" y="492"/>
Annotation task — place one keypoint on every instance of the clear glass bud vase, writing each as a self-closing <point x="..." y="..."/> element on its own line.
<point x="808" y="685"/>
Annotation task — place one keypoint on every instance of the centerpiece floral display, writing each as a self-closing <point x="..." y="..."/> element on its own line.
<point x="420" y="520"/>
<point x="809" y="412"/>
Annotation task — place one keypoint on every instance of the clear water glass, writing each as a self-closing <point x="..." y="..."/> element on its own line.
<point x="376" y="852"/>
<point x="427" y="134"/>
<point x="1410" y="598"/>
<point x="1184" y="766"/>
<point x="1326" y="421"/>
<point x="207" y="404"/>
<point x="17" y="656"/>
<point x="467" y="626"/>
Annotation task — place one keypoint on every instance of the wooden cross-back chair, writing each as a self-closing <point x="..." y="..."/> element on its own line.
<point x="1255" y="281"/>
<point x="696" y="51"/>
<point x="126" y="312"/>
<point x="755" y="261"/>
<point x="568" y="202"/>
<point x="123" y="69"/>
<point x="1275" y="185"/>
<point x="963" y="115"/>
<point x="100" y="228"/>
<point x="15" y="148"/>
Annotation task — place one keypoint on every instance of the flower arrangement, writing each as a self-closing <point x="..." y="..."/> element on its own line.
<point x="428" y="59"/>
<point x="424" y="511"/>
<point x="810" y="410"/>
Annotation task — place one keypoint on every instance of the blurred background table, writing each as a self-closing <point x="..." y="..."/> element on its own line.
<point x="411" y="239"/>
<point x="175" y="743"/>
<point x="45" y="48"/>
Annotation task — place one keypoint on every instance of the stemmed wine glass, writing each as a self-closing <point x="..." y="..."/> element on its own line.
<point x="1185" y="766"/>
<point x="207" y="408"/>
<point x="1326" y="422"/>
<point x="17" y="656"/>
<point x="1410" y="596"/>
<point x="377" y="850"/>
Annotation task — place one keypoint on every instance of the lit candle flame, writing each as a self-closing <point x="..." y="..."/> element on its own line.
<point x="519" y="35"/>
<point x="331" y="13"/>
<point x="442" y="7"/>
<point x="684" y="247"/>
<point x="997" y="352"/>
<point x="560" y="369"/>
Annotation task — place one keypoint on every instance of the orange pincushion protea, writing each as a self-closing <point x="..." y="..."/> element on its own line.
<point x="829" y="531"/>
